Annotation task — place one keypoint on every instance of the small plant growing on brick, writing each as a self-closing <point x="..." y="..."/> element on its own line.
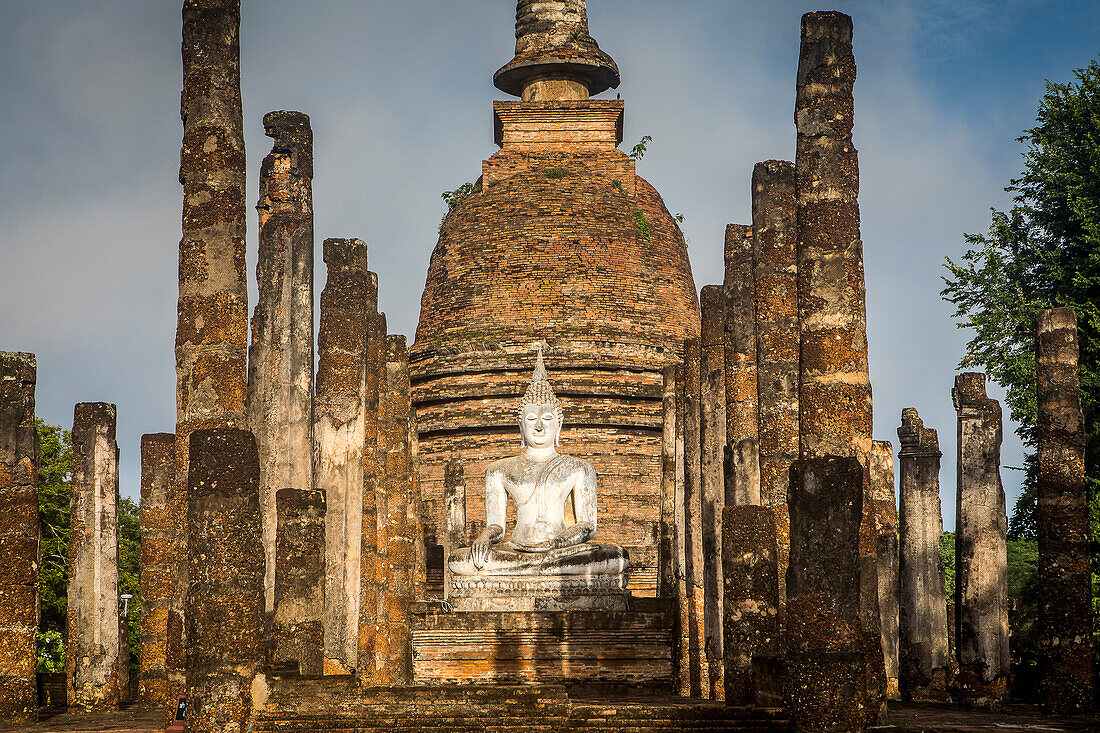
<point x="556" y="172"/>
<point x="638" y="152"/>
<point x="643" y="225"/>
<point x="454" y="198"/>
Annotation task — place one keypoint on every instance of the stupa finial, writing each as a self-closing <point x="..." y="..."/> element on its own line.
<point x="556" y="58"/>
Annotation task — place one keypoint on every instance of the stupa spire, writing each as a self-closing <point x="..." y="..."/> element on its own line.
<point x="556" y="58"/>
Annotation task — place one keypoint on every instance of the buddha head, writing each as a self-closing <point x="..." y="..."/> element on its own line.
<point x="540" y="415"/>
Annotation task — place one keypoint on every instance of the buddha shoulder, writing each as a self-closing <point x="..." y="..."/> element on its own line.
<point x="563" y="465"/>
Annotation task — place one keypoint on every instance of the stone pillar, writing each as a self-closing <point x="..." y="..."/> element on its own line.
<point x="1065" y="605"/>
<point x="666" y="528"/>
<point x="340" y="414"/>
<point x="19" y="537"/>
<point x="158" y="533"/>
<point x="280" y="357"/>
<point x="225" y="601"/>
<point x="372" y="609"/>
<point x="212" y="327"/>
<point x="981" y="560"/>
<point x="712" y="439"/>
<point x="297" y="636"/>
<point x="742" y="416"/>
<point x="91" y="638"/>
<point x="685" y="642"/>
<point x="751" y="640"/>
<point x="694" y="521"/>
<point x="775" y="275"/>
<point x="924" y="657"/>
<point x="826" y="684"/>
<point x="835" y="390"/>
<point x="394" y="644"/>
<point x="454" y="516"/>
<point x="884" y="505"/>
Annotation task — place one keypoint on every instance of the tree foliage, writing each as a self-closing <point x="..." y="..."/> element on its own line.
<point x="1044" y="252"/>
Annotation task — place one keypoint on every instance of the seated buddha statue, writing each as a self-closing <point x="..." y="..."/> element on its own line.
<point x="542" y="483"/>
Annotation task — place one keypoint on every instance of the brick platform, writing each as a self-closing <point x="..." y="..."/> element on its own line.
<point x="632" y="647"/>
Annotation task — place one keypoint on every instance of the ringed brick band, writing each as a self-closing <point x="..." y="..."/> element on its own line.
<point x="924" y="656"/>
<point x="92" y="643"/>
<point x="212" y="326"/>
<point x="225" y="600"/>
<point x="1065" y="607"/>
<point x="160" y="526"/>
<point x="19" y="537"/>
<point x="280" y="357"/>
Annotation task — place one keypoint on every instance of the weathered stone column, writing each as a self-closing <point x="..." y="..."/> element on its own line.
<point x="280" y="357"/>
<point x="775" y="274"/>
<point x="212" y="326"/>
<point x="91" y="638"/>
<point x="340" y="414"/>
<point x="158" y="533"/>
<point x="884" y="505"/>
<point x="373" y="548"/>
<point x="751" y="640"/>
<point x="693" y="521"/>
<point x="826" y="683"/>
<point x="981" y="560"/>
<point x="742" y="416"/>
<point x="19" y="537"/>
<point x="924" y="657"/>
<point x="712" y="438"/>
<point x="225" y="601"/>
<point x="454" y="516"/>
<point x="394" y="644"/>
<point x="684" y="588"/>
<point x="1065" y="605"/>
<point x="297" y="635"/>
<point x="666" y="528"/>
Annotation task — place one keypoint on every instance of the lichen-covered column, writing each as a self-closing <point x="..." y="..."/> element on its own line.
<point x="1065" y="606"/>
<point x="742" y="416"/>
<point x="19" y="537"/>
<point x="884" y="505"/>
<point x="775" y="275"/>
<point x="981" y="560"/>
<point x="454" y="516"/>
<point x="158" y="533"/>
<point x="826" y="675"/>
<point x="751" y="641"/>
<point x="835" y="390"/>
<point x="225" y="600"/>
<point x="693" y="520"/>
<point x="924" y="657"/>
<point x="212" y="313"/>
<point x="666" y="528"/>
<point x="92" y="639"/>
<point x="339" y="412"/>
<point x="297" y="636"/>
<point x="712" y="438"/>
<point x="395" y="449"/>
<point x="280" y="357"/>
<point x="373" y="548"/>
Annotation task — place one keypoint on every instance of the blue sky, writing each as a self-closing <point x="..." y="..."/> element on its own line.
<point x="400" y="96"/>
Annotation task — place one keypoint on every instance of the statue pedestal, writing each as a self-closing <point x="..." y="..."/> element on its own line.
<point x="539" y="592"/>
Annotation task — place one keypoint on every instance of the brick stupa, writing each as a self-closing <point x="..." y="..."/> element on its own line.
<point x="560" y="242"/>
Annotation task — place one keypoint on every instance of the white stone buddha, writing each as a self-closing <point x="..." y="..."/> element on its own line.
<point x="543" y="484"/>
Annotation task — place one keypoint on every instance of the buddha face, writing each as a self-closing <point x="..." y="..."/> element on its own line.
<point x="539" y="425"/>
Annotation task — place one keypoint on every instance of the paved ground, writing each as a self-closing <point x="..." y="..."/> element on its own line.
<point x="904" y="718"/>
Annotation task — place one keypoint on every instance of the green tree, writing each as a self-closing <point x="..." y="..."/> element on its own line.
<point x="1044" y="252"/>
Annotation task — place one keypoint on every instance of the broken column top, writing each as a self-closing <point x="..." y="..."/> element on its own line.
<point x="916" y="439"/>
<point x="1056" y="330"/>
<point x="86" y="412"/>
<point x="290" y="130"/>
<point x="345" y="254"/>
<point x="969" y="392"/>
<point x="826" y="70"/>
<point x="553" y="44"/>
<point x="713" y="315"/>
